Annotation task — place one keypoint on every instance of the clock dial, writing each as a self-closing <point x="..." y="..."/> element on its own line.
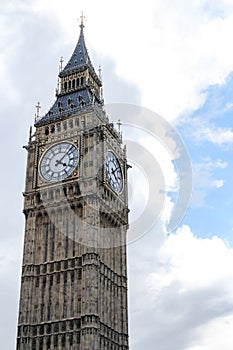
<point x="59" y="161"/>
<point x="114" y="172"/>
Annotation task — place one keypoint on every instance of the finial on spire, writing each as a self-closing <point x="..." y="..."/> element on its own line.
<point x="38" y="107"/>
<point x="119" y="125"/>
<point x="30" y="134"/>
<point x="82" y="19"/>
<point x="61" y="64"/>
<point x="100" y="73"/>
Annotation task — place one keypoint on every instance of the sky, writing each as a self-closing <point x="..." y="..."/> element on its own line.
<point x="175" y="60"/>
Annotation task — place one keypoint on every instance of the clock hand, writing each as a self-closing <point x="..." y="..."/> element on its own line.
<point x="113" y="172"/>
<point x="60" y="161"/>
<point x="117" y="178"/>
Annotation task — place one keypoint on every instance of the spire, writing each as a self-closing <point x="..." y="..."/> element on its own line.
<point x="82" y="21"/>
<point x="80" y="58"/>
<point x="79" y="86"/>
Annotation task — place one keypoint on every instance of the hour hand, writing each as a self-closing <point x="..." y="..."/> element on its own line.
<point x="60" y="162"/>
<point x="113" y="173"/>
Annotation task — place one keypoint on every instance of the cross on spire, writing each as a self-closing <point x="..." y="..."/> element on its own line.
<point x="82" y="19"/>
<point x="38" y="107"/>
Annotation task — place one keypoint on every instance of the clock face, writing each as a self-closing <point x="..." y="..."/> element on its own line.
<point x="59" y="161"/>
<point x="114" y="172"/>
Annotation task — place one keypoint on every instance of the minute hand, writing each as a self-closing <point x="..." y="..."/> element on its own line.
<point x="113" y="172"/>
<point x="60" y="161"/>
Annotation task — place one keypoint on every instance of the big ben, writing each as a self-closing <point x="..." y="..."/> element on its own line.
<point x="74" y="271"/>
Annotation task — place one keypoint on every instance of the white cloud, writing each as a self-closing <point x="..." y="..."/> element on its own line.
<point x="171" y="51"/>
<point x="228" y="106"/>
<point x="211" y="340"/>
<point x="180" y="51"/>
<point x="204" y="179"/>
<point x="217" y="164"/>
<point x="219" y="183"/>
<point x="217" y="135"/>
<point x="194" y="262"/>
<point x="187" y="289"/>
<point x="209" y="166"/>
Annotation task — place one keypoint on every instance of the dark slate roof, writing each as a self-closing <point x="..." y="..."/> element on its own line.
<point x="80" y="58"/>
<point x="68" y="104"/>
<point x="73" y="101"/>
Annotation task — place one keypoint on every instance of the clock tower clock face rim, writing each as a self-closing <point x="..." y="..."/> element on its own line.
<point x="59" y="161"/>
<point x="114" y="172"/>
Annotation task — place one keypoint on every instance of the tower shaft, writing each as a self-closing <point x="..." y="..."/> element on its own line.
<point x="74" y="273"/>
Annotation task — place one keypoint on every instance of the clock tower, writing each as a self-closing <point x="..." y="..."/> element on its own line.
<point x="74" y="274"/>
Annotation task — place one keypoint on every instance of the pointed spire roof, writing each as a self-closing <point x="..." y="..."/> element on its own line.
<point x="79" y="86"/>
<point x="80" y="58"/>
